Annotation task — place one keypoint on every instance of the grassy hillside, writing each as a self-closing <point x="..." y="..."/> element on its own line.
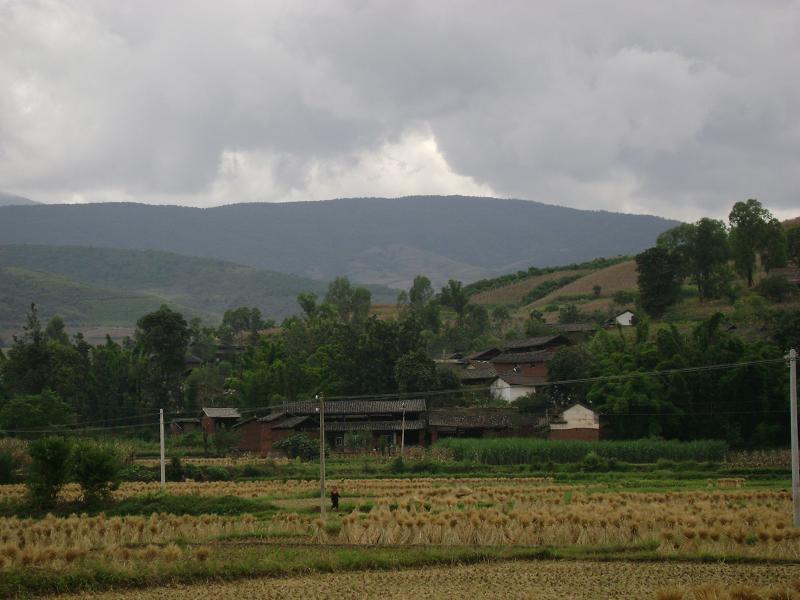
<point x="109" y="286"/>
<point x="76" y="302"/>
<point x="373" y="240"/>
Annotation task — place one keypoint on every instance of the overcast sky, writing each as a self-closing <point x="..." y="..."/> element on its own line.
<point x="675" y="108"/>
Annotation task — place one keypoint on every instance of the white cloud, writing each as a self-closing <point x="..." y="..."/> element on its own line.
<point x="676" y="108"/>
<point x="412" y="165"/>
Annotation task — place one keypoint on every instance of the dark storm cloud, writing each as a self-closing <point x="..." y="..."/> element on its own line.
<point x="674" y="108"/>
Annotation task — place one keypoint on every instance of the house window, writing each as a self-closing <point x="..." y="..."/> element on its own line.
<point x="338" y="441"/>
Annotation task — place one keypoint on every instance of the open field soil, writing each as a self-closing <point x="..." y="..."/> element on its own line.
<point x="542" y="580"/>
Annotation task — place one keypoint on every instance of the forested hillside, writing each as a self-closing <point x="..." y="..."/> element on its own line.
<point x="370" y="240"/>
<point x="103" y="286"/>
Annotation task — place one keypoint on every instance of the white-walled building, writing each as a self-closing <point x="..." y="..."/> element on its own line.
<point x="510" y="387"/>
<point x="577" y="422"/>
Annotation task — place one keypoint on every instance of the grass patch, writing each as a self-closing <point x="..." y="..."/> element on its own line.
<point x="190" y="505"/>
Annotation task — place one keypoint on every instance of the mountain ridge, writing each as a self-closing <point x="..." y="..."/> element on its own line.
<point x="449" y="236"/>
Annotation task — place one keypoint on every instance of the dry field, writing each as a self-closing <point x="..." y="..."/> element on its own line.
<point x="513" y="293"/>
<point x="403" y="517"/>
<point x="611" y="279"/>
<point x="542" y="580"/>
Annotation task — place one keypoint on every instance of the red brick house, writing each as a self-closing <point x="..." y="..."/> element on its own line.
<point x="211" y="418"/>
<point x="484" y="422"/>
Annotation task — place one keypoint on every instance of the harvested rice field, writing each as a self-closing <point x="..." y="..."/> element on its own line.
<point x="542" y="580"/>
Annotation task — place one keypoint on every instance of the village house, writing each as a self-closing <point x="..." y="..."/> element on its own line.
<point x="625" y="318"/>
<point x="212" y="418"/>
<point x="484" y="423"/>
<point x="578" y="422"/>
<point x="511" y="387"/>
<point x="384" y="422"/>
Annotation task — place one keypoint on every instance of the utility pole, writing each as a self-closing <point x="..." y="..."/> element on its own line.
<point x="321" y="410"/>
<point x="163" y="466"/>
<point x="793" y="416"/>
<point x="403" y="431"/>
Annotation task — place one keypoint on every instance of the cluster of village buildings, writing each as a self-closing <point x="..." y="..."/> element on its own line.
<point x="384" y="424"/>
<point x="509" y="372"/>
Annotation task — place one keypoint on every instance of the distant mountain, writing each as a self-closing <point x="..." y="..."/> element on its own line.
<point x="372" y="240"/>
<point x="105" y="286"/>
<point x="12" y="200"/>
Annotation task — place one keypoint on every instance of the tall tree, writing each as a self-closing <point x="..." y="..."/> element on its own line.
<point x="163" y="338"/>
<point x="454" y="296"/>
<point x="793" y="245"/>
<point x="749" y="235"/>
<point x="659" y="280"/>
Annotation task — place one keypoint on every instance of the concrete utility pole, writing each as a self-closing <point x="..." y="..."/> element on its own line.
<point x="793" y="416"/>
<point x="403" y="431"/>
<point x="321" y="410"/>
<point x="163" y="466"/>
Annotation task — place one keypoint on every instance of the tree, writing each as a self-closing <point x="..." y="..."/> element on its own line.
<point x="750" y="234"/>
<point x="245" y="319"/>
<point x="35" y="412"/>
<point x="55" y="330"/>
<point x="415" y="372"/>
<point x="659" y="280"/>
<point x="775" y="253"/>
<point x="597" y="290"/>
<point x="49" y="469"/>
<point x="164" y="336"/>
<point x="454" y="296"/>
<point x="351" y="304"/>
<point x="162" y="339"/>
<point x="708" y="254"/>
<point x="96" y="468"/>
<point x="793" y="245"/>
<point x="501" y="318"/>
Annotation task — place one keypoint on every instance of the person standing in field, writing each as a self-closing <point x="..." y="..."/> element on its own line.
<point x="335" y="499"/>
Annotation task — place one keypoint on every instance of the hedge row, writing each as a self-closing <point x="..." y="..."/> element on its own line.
<point x="514" y="451"/>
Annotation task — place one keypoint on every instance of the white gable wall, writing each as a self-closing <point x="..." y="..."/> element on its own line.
<point x="503" y="390"/>
<point x="578" y="417"/>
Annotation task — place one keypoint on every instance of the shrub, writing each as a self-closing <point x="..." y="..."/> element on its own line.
<point x="776" y="288"/>
<point x="300" y="446"/>
<point x="49" y="469"/>
<point x="174" y="471"/>
<point x="217" y="474"/>
<point x="397" y="465"/>
<point x="97" y="468"/>
<point x="138" y="473"/>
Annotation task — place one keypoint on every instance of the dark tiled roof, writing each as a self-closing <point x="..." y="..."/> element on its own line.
<point x="373" y="425"/>
<point x="478" y="373"/>
<point x="515" y="379"/>
<point x="538" y="356"/>
<point x="500" y="418"/>
<point x="536" y="342"/>
<point x="485" y="354"/>
<point x="359" y="407"/>
<point x="576" y="327"/>
<point x="272" y="417"/>
<point x="289" y="422"/>
<point x="222" y="413"/>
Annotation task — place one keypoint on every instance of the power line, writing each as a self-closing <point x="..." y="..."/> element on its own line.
<point x="78" y="430"/>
